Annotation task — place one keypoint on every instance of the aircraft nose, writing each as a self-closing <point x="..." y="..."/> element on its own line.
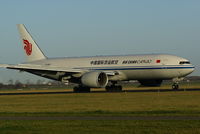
<point x="188" y="70"/>
<point x="191" y="69"/>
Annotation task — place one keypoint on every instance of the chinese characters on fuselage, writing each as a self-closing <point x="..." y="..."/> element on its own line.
<point x="115" y="62"/>
<point x="104" y="62"/>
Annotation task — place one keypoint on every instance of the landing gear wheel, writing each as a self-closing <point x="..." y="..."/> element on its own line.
<point x="114" y="88"/>
<point x="81" y="89"/>
<point x="175" y="86"/>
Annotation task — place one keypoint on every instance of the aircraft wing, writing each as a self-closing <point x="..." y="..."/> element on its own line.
<point x="25" y="67"/>
<point x="46" y="69"/>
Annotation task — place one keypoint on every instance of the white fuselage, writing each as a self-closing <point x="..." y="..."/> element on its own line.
<point x="130" y="67"/>
<point x="101" y="71"/>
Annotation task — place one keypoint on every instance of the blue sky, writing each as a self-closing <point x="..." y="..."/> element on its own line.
<point x="65" y="28"/>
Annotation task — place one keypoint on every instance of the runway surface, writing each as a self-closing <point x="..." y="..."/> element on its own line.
<point x="150" y="118"/>
<point x="69" y="92"/>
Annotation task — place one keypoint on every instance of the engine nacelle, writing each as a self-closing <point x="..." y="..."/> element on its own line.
<point x="94" y="79"/>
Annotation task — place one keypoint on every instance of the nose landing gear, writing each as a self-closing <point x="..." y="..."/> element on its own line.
<point x="175" y="85"/>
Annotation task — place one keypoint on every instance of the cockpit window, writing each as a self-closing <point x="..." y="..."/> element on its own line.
<point x="184" y="62"/>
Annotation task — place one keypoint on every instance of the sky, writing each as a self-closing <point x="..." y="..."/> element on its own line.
<point x="67" y="28"/>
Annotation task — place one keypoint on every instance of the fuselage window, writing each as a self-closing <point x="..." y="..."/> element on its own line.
<point x="184" y="62"/>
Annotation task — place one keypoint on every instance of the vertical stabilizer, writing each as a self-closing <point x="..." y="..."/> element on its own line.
<point x="32" y="51"/>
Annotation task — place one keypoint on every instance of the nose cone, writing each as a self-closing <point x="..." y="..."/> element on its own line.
<point x="188" y="70"/>
<point x="186" y="66"/>
<point x="192" y="69"/>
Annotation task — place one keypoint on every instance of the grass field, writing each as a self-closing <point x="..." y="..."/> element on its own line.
<point x="134" y="103"/>
<point x="183" y="103"/>
<point x="100" y="127"/>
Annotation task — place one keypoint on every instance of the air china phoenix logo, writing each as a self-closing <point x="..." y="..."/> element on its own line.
<point x="27" y="47"/>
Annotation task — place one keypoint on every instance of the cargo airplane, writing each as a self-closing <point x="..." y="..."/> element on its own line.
<point x="102" y="71"/>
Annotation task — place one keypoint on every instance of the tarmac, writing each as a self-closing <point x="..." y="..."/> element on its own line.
<point x="70" y="92"/>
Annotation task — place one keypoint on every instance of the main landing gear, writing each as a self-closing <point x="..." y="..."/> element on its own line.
<point x="113" y="87"/>
<point x="81" y="89"/>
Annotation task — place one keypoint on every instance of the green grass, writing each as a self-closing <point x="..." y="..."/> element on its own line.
<point x="100" y="127"/>
<point x="101" y="104"/>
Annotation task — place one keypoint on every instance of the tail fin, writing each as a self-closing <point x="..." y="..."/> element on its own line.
<point x="31" y="48"/>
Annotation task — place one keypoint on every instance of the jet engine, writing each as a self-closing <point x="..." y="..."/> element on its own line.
<point x="150" y="83"/>
<point x="94" y="79"/>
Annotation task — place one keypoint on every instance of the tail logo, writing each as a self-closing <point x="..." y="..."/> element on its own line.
<point x="27" y="47"/>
